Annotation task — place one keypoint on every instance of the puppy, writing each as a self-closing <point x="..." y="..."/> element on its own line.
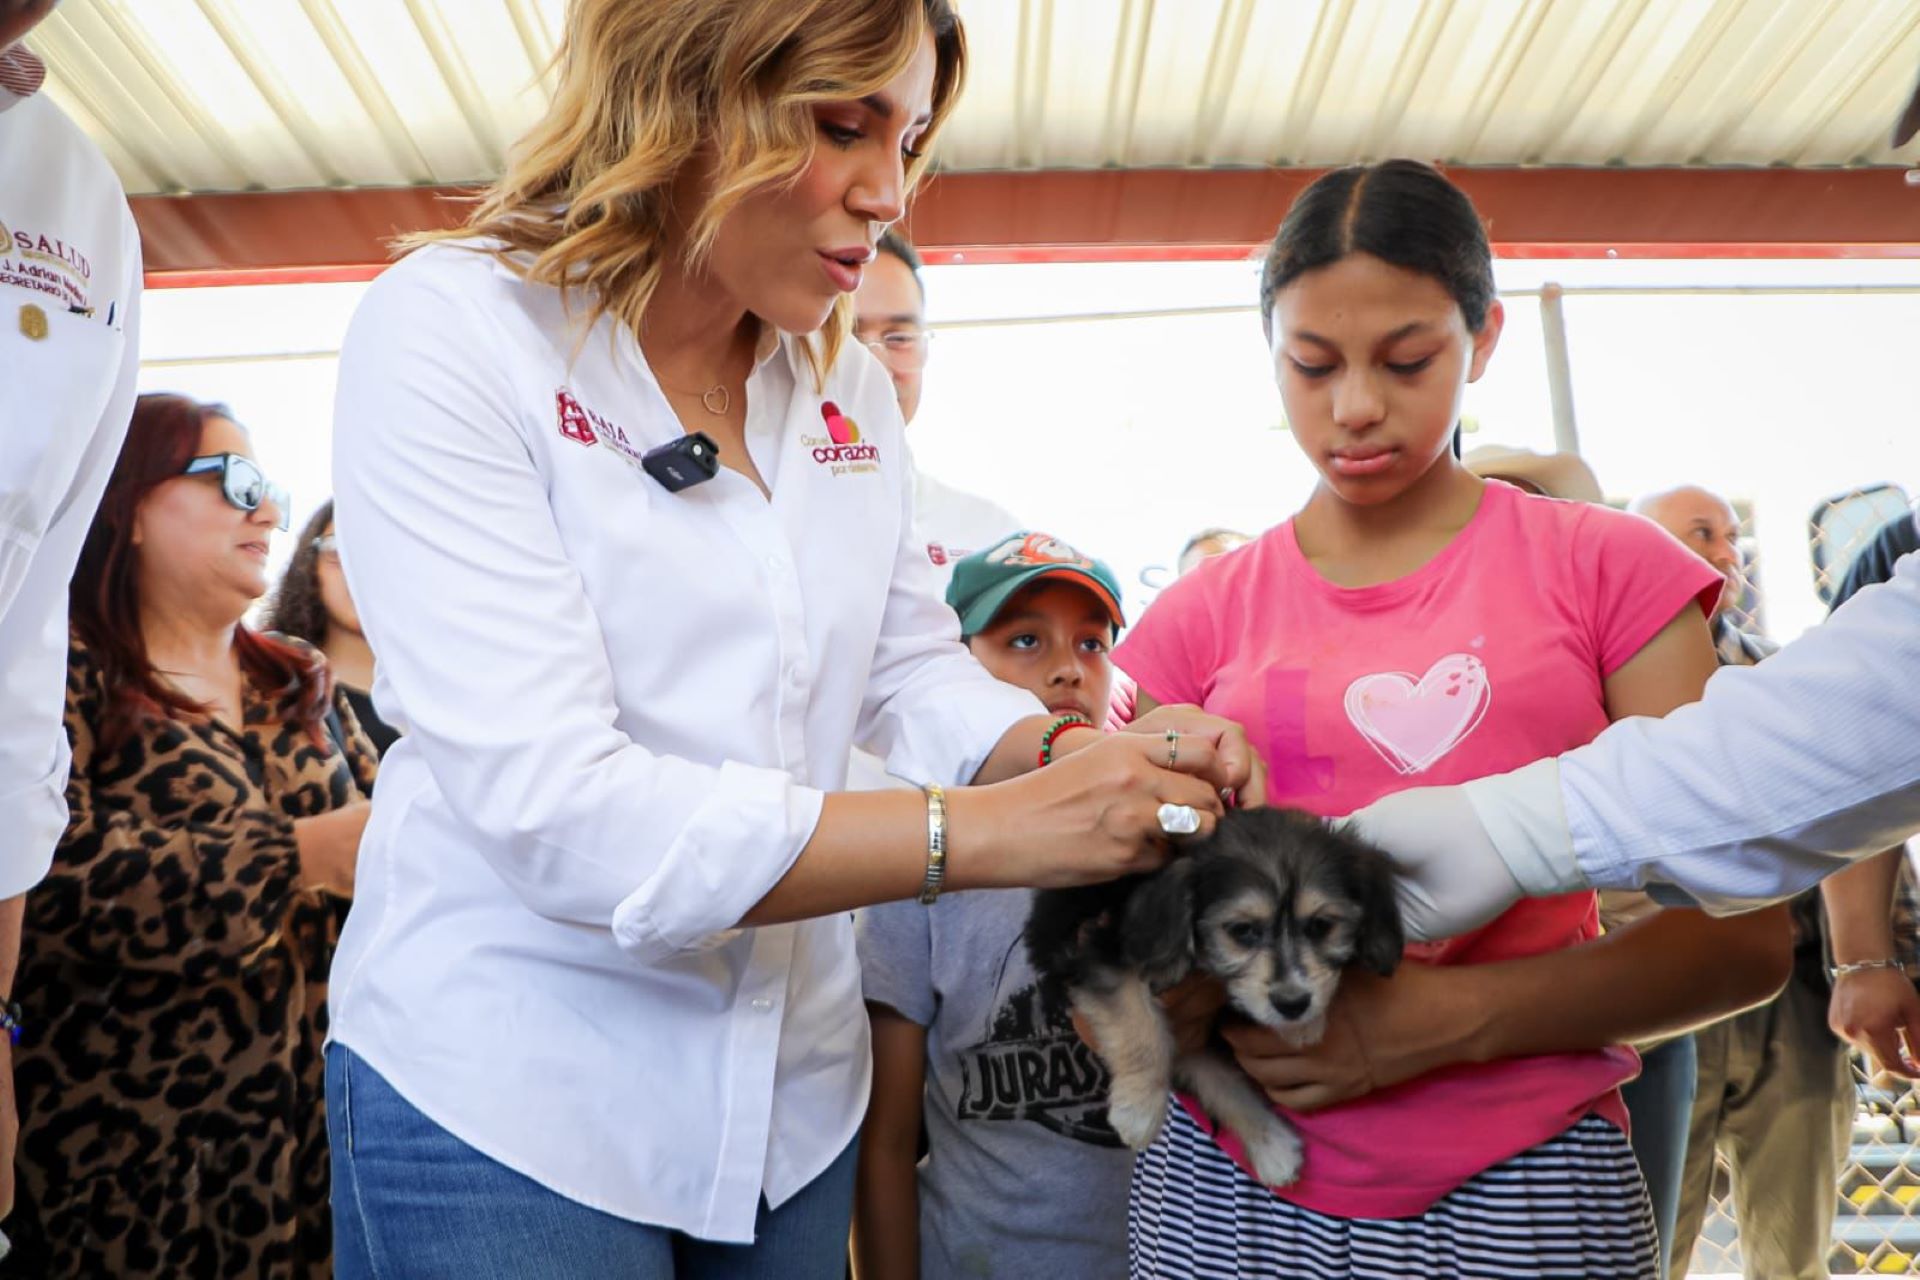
<point x="1275" y="904"/>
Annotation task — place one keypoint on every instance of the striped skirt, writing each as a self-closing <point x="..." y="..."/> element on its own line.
<point x="1574" y="1206"/>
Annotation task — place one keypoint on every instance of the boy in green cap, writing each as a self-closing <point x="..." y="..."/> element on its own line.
<point x="1023" y="1175"/>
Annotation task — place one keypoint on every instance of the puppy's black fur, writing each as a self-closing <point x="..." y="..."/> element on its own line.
<point x="1146" y="923"/>
<point x="1275" y="903"/>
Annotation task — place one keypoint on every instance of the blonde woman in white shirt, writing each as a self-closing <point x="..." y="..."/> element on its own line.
<point x="597" y="1010"/>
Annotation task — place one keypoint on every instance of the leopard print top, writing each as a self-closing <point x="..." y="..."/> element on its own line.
<point x="173" y="976"/>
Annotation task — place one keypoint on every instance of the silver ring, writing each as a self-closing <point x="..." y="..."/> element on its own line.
<point x="1173" y="747"/>
<point x="1179" y="819"/>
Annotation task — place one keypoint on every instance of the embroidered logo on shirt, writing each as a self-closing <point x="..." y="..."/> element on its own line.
<point x="46" y="264"/>
<point x="942" y="554"/>
<point x="577" y="422"/>
<point x="1414" y="721"/>
<point x="573" y="419"/>
<point x="841" y="450"/>
<point x="840" y="428"/>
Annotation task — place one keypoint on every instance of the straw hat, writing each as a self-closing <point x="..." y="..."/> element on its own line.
<point x="1558" y="475"/>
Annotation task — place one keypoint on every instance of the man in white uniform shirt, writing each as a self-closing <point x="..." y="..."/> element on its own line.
<point x="890" y="318"/>
<point x="69" y="294"/>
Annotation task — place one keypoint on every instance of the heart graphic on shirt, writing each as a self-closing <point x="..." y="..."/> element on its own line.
<point x="1413" y="722"/>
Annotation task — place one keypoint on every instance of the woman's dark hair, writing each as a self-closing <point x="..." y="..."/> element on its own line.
<point x="892" y="242"/>
<point x="296" y="609"/>
<point x="1400" y="211"/>
<point x="105" y="596"/>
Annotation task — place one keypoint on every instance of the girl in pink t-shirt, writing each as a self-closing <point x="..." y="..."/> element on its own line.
<point x="1414" y="625"/>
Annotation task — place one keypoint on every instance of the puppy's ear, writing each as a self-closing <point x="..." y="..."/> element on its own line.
<point x="1380" y="937"/>
<point x="1156" y="928"/>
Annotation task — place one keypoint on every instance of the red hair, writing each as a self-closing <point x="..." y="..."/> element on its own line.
<point x="105" y="600"/>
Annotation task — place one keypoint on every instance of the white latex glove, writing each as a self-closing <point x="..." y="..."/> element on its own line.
<point x="1465" y="854"/>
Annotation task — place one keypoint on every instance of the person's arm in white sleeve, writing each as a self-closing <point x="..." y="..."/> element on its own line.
<point x="35" y="565"/>
<point x="1781" y="775"/>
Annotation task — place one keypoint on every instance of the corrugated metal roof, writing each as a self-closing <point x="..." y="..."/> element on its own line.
<point x="230" y="95"/>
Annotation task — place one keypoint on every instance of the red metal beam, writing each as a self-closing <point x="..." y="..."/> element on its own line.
<point x="262" y="275"/>
<point x="1133" y="215"/>
<point x="1529" y="212"/>
<point x="996" y="254"/>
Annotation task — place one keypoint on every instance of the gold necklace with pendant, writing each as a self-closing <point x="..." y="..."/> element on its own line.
<point x="716" y="399"/>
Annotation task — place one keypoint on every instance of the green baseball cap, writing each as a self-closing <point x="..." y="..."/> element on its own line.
<point x="984" y="581"/>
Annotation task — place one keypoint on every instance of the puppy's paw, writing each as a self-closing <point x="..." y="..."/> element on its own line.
<point x="1273" y="1148"/>
<point x="1136" y="1113"/>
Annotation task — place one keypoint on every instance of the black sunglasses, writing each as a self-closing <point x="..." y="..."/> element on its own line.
<point x="242" y="483"/>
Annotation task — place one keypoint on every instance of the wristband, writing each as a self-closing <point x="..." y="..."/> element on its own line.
<point x="1072" y="720"/>
<point x="936" y="844"/>
<point x="1840" y="971"/>
<point x="11" y="1020"/>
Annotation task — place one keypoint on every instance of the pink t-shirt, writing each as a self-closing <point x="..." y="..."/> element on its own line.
<point x="1488" y="657"/>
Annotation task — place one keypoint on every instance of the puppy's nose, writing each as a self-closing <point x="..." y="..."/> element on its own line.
<point x="1291" y="1007"/>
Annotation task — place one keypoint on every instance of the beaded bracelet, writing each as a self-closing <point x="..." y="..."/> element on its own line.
<point x="1072" y="720"/>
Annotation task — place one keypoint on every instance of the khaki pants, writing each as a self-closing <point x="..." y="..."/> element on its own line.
<point x="1776" y="1098"/>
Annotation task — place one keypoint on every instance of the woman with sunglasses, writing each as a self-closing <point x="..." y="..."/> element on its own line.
<point x="312" y="604"/>
<point x="174" y="965"/>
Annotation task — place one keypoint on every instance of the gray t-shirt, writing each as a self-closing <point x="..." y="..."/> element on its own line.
<point x="1023" y="1176"/>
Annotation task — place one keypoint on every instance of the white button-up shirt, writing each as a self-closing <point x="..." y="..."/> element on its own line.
<point x="1777" y="777"/>
<point x="69" y="296"/>
<point x="621" y="707"/>
<point x="954" y="524"/>
<point x="949" y="524"/>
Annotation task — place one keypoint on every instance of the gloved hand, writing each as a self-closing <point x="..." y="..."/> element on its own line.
<point x="1467" y="853"/>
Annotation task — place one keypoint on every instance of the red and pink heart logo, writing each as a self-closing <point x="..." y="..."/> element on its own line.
<point x="840" y="428"/>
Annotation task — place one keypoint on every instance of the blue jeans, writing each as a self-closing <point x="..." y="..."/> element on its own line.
<point x="1660" y="1104"/>
<point x="413" y="1202"/>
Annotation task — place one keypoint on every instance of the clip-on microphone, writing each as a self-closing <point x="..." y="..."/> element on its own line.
<point x="692" y="459"/>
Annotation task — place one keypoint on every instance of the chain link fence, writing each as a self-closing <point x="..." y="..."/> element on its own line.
<point x="1876" y="1231"/>
<point x="1876" y="1228"/>
<point x="1841" y="525"/>
<point x="1877" y="1221"/>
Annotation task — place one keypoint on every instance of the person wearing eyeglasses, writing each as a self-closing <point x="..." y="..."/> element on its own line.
<point x="174" y="962"/>
<point x="889" y="318"/>
<point x="69" y="302"/>
<point x="313" y="604"/>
